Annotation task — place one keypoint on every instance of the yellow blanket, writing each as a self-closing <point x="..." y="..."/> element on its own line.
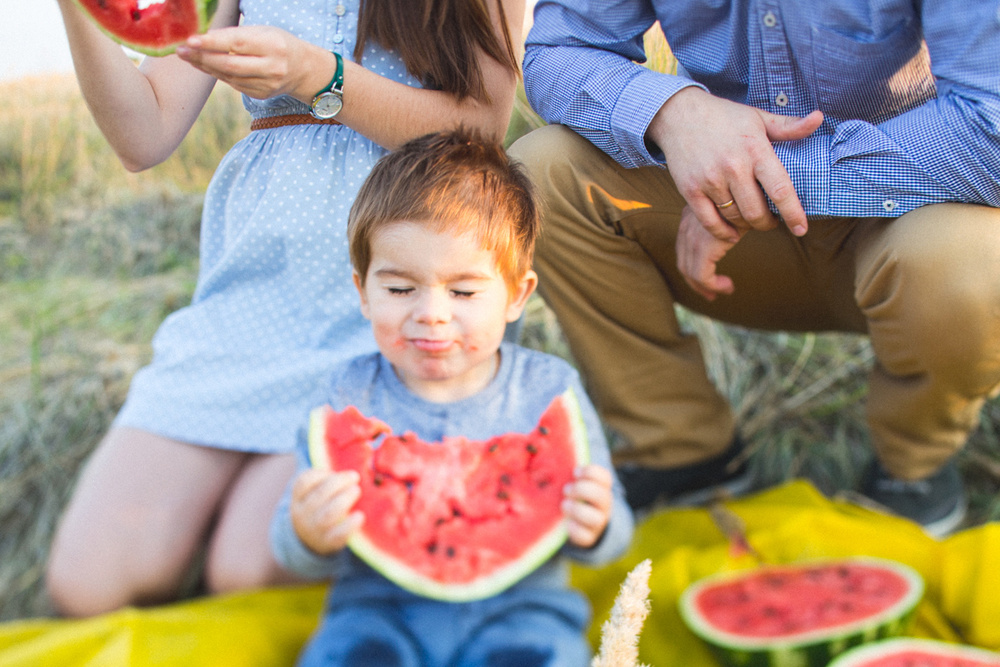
<point x="791" y="522"/>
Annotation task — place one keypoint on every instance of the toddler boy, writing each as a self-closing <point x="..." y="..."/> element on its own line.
<point x="441" y="240"/>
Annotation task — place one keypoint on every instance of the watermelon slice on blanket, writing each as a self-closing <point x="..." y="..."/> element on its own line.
<point x="153" y="27"/>
<point x="458" y="519"/>
<point x="905" y="652"/>
<point x="801" y="614"/>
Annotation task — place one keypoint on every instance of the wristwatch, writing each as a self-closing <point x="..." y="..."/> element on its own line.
<point x="329" y="101"/>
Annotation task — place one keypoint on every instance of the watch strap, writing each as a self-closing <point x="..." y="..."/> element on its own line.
<point x="337" y="82"/>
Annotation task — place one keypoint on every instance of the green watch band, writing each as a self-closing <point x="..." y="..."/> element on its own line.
<point x="328" y="102"/>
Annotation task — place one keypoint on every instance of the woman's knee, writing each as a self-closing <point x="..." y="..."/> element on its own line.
<point x="84" y="579"/>
<point x="135" y="523"/>
<point x="229" y="572"/>
<point x="239" y="553"/>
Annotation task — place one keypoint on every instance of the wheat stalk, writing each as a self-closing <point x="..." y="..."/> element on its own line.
<point x="620" y="633"/>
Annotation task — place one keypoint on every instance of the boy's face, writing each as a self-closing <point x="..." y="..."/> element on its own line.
<point x="438" y="307"/>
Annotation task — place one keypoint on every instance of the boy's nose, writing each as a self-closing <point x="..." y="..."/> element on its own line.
<point x="433" y="307"/>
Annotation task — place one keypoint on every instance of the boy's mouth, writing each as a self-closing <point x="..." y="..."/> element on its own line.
<point x="431" y="345"/>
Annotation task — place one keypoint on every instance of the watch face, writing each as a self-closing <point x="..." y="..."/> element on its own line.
<point x="327" y="105"/>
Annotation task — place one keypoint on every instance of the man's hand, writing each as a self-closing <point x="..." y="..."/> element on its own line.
<point x="720" y="156"/>
<point x="321" y="509"/>
<point x="698" y="253"/>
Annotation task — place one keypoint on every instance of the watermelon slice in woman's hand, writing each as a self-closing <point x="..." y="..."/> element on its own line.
<point x="148" y="26"/>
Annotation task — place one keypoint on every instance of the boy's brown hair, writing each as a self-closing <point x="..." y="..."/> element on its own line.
<point x="457" y="181"/>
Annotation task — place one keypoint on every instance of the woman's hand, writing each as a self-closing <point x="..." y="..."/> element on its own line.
<point x="321" y="509"/>
<point x="260" y="61"/>
<point x="587" y="505"/>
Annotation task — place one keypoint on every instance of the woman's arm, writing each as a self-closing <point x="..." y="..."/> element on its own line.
<point x="143" y="112"/>
<point x="264" y="62"/>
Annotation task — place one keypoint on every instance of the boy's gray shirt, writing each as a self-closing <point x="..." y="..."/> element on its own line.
<point x="525" y="384"/>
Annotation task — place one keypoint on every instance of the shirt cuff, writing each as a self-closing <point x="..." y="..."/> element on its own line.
<point x="644" y="95"/>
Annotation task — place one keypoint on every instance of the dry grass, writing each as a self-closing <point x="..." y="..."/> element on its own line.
<point x="92" y="258"/>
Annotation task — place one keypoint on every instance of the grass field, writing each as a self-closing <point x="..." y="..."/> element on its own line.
<point x="92" y="258"/>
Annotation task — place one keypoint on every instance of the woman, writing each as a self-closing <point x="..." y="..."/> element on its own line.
<point x="200" y="453"/>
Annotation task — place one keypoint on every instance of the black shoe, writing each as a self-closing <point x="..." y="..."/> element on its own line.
<point x="937" y="502"/>
<point x="696" y="484"/>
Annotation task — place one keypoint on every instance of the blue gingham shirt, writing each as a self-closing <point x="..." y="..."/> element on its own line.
<point x="910" y="89"/>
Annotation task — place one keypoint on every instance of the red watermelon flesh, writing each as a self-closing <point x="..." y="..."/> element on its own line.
<point x="906" y="652"/>
<point x="458" y="519"/>
<point x="784" y="601"/>
<point x="915" y="658"/>
<point x="155" y="28"/>
<point x="801" y="613"/>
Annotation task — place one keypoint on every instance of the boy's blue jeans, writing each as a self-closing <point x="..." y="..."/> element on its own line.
<point x="510" y="630"/>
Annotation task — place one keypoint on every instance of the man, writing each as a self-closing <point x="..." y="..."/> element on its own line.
<point x="829" y="166"/>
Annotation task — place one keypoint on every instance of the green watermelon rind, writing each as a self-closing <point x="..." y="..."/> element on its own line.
<point x="206" y="11"/>
<point x="318" y="456"/>
<point x="857" y="657"/>
<point x="814" y="648"/>
<point x="400" y="573"/>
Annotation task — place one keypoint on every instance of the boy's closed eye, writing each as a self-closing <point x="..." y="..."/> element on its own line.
<point x="400" y="290"/>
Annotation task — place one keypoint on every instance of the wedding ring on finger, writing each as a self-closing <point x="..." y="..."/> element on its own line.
<point x="726" y="205"/>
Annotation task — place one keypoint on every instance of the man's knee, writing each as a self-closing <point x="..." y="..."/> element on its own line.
<point x="933" y="278"/>
<point x="547" y="145"/>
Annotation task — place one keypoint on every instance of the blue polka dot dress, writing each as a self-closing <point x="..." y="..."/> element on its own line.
<point x="275" y="308"/>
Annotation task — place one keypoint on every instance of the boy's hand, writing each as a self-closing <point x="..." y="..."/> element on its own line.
<point x="587" y="505"/>
<point x="321" y="509"/>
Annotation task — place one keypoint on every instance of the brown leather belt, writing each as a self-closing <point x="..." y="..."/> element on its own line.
<point x="269" y="122"/>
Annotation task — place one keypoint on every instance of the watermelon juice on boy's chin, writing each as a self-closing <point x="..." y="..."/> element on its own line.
<point x="439" y="307"/>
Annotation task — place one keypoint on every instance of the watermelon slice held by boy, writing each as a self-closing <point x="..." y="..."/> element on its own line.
<point x="459" y="519"/>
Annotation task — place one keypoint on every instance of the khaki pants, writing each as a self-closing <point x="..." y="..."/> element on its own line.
<point x="924" y="286"/>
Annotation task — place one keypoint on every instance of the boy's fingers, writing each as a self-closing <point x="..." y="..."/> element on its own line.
<point x="307" y="481"/>
<point x="592" y="486"/>
<point x="341" y="531"/>
<point x="316" y="487"/>
<point x="590" y="492"/>
<point x="339" y="504"/>
<point x="584" y="514"/>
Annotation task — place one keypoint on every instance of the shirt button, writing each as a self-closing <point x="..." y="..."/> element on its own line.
<point x="781" y="99"/>
<point x="338" y="38"/>
<point x="889" y="205"/>
<point x="340" y="10"/>
<point x="770" y="20"/>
